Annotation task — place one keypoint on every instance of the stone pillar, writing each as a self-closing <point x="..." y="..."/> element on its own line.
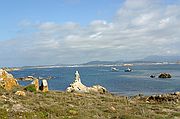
<point x="44" y="86"/>
<point x="36" y="83"/>
<point x="77" y="77"/>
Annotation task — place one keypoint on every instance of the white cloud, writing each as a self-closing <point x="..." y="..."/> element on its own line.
<point x="140" y="28"/>
<point x="96" y="35"/>
<point x="144" y="19"/>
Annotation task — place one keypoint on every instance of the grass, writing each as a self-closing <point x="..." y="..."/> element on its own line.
<point x="63" y="105"/>
<point x="30" y="88"/>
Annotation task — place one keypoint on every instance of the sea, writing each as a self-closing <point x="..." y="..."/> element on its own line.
<point x="121" y="83"/>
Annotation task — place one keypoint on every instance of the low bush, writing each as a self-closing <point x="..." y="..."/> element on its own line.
<point x="30" y="88"/>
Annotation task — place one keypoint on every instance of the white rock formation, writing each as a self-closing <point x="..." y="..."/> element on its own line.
<point x="77" y="86"/>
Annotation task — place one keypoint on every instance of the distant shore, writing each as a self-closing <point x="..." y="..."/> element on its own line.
<point x="10" y="69"/>
<point x="87" y="65"/>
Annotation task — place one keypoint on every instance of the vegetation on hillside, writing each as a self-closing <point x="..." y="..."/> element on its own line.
<point x="63" y="105"/>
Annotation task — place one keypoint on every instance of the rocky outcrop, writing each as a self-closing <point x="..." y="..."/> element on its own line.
<point x="28" y="78"/>
<point x="152" y="76"/>
<point x="164" y="75"/>
<point x="7" y="81"/>
<point x="172" y="97"/>
<point x="36" y="84"/>
<point x="8" y="69"/>
<point x="77" y="86"/>
<point x="44" y="86"/>
<point x="4" y="74"/>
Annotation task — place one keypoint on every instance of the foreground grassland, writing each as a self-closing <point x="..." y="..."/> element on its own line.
<point x="62" y="105"/>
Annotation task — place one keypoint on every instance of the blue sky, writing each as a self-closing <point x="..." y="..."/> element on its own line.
<point x="41" y="32"/>
<point x="14" y="12"/>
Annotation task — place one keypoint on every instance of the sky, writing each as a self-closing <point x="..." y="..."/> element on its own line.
<point x="43" y="32"/>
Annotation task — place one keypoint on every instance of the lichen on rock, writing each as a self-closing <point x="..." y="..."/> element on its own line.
<point x="7" y="81"/>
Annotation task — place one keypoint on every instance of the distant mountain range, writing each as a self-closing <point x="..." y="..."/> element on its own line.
<point x="100" y="63"/>
<point x="115" y="62"/>
<point x="149" y="59"/>
<point x="162" y="58"/>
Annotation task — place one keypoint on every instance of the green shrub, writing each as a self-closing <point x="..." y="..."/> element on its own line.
<point x="30" y="88"/>
<point x="17" y="88"/>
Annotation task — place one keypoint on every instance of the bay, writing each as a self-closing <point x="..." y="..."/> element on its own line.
<point x="124" y="83"/>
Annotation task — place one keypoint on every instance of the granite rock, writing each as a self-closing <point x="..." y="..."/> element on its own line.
<point x="44" y="86"/>
<point x="7" y="81"/>
<point x="78" y="86"/>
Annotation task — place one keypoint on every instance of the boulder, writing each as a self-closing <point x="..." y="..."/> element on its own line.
<point x="36" y="83"/>
<point x="177" y="93"/>
<point x="7" y="81"/>
<point x="171" y="97"/>
<point x="97" y="88"/>
<point x="20" y="93"/>
<point x="152" y="76"/>
<point x="164" y="75"/>
<point x="44" y="86"/>
<point x="77" y="86"/>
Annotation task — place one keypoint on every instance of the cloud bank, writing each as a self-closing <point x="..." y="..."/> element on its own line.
<point x="140" y="28"/>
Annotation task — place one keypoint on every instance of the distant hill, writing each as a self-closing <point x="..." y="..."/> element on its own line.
<point x="149" y="59"/>
<point x="138" y="61"/>
<point x="100" y="63"/>
<point x="156" y="58"/>
<point x="115" y="62"/>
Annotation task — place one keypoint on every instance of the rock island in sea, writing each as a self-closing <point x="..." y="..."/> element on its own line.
<point x="77" y="86"/>
<point x="80" y="102"/>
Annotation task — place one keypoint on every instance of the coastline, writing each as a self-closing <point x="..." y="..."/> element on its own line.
<point x="87" y="65"/>
<point x="30" y="102"/>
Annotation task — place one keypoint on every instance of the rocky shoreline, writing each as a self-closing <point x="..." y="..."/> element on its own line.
<point x="11" y="69"/>
<point x="8" y="82"/>
<point x="31" y="78"/>
<point x="79" y="101"/>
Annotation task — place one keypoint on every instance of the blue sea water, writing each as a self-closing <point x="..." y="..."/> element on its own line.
<point x="123" y="83"/>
